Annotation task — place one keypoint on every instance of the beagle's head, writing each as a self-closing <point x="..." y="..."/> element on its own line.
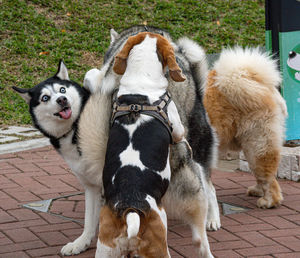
<point x="136" y="236"/>
<point x="164" y="49"/>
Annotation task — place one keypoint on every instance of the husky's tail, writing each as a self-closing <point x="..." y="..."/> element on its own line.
<point x="197" y="57"/>
<point x="133" y="224"/>
<point x="248" y="78"/>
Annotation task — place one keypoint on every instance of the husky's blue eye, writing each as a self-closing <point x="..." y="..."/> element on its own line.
<point x="45" y="98"/>
<point x="62" y="90"/>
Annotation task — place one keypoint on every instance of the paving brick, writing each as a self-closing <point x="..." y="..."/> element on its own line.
<point x="227" y="221"/>
<point x="74" y="215"/>
<point x="54" y="238"/>
<point x="3" y="195"/>
<point x="231" y="191"/>
<point x="23" y="214"/>
<point x="57" y="227"/>
<point x="15" y="254"/>
<point x="226" y="254"/>
<point x="278" y="222"/>
<point x="293" y="218"/>
<point x="281" y="232"/>
<point x="262" y="250"/>
<point x="91" y="253"/>
<point x="52" y="219"/>
<point x="22" y="195"/>
<point x="20" y="235"/>
<point x="186" y="251"/>
<point x="244" y="218"/>
<point x="293" y="205"/>
<point x="5" y="217"/>
<point x="61" y="206"/>
<point x="259" y="213"/>
<point x="54" y="170"/>
<point x="41" y="252"/>
<point x="174" y="253"/>
<point x="290" y="242"/>
<point x="182" y="230"/>
<point x="229" y="245"/>
<point x="9" y="185"/>
<point x="5" y="241"/>
<point x="180" y="241"/>
<point x="239" y="201"/>
<point x="80" y="207"/>
<point x="225" y="183"/>
<point x="11" y="170"/>
<point x="21" y="246"/>
<point x="75" y="232"/>
<point x="288" y="255"/>
<point x="22" y="224"/>
<point x="256" y="238"/>
<point x="4" y="180"/>
<point x="26" y="167"/>
<point x="288" y="188"/>
<point x="222" y="235"/>
<point x="249" y="227"/>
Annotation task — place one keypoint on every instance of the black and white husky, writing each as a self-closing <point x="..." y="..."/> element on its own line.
<point x="82" y="138"/>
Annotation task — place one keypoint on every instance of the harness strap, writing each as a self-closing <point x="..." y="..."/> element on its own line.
<point x="158" y="110"/>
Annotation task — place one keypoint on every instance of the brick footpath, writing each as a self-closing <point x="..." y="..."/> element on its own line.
<point x="41" y="174"/>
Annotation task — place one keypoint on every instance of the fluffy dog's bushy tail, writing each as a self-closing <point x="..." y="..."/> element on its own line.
<point x="247" y="78"/>
<point x="195" y="54"/>
<point x="133" y="224"/>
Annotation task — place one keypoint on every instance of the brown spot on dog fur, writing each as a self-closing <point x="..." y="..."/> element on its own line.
<point x="153" y="237"/>
<point x="150" y="242"/>
<point x="163" y="46"/>
<point x="111" y="226"/>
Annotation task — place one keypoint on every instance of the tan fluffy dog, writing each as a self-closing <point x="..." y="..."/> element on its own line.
<point x="248" y="113"/>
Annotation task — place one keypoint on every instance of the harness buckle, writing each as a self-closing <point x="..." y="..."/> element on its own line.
<point x="134" y="108"/>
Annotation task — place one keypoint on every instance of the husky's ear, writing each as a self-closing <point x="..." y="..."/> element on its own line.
<point x="24" y="93"/>
<point x="62" y="72"/>
<point x="121" y="58"/>
<point x="167" y="51"/>
<point x="113" y="35"/>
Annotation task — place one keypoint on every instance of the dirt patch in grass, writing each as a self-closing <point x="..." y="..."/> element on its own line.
<point x="91" y="59"/>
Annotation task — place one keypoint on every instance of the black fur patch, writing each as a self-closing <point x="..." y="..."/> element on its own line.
<point x="131" y="184"/>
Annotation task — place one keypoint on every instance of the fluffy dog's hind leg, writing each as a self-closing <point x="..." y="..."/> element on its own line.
<point x="91" y="218"/>
<point x="265" y="169"/>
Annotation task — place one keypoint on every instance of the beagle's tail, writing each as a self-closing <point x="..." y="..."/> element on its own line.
<point x="133" y="224"/>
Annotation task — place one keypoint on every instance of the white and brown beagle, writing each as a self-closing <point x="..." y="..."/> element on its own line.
<point x="136" y="173"/>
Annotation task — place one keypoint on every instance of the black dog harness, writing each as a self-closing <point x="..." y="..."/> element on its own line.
<point x="158" y="110"/>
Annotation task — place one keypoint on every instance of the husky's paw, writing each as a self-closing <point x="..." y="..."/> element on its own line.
<point x="213" y="224"/>
<point x="92" y="80"/>
<point x="77" y="246"/>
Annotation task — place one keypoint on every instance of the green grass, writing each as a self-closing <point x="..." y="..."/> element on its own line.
<point x="78" y="32"/>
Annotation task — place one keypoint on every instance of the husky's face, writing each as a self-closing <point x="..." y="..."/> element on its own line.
<point x="55" y="103"/>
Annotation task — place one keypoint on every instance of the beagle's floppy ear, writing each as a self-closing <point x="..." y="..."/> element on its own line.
<point x="166" y="50"/>
<point x="121" y="58"/>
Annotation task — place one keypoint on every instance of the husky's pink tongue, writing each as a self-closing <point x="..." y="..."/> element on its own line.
<point x="66" y="114"/>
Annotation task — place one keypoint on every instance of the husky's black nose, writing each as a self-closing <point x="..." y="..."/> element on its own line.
<point x="62" y="101"/>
